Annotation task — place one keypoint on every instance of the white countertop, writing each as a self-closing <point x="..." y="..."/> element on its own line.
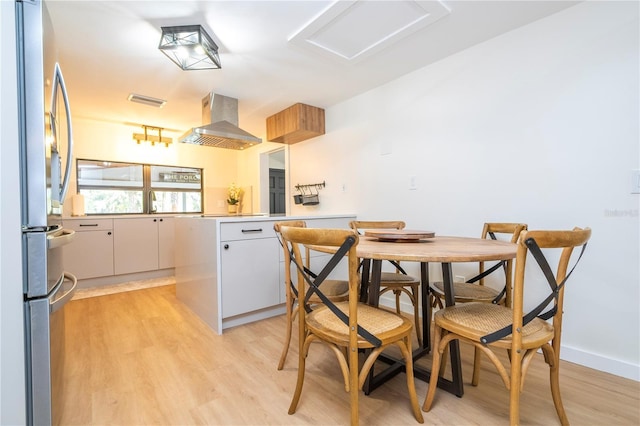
<point x="257" y="217"/>
<point x="220" y="217"/>
<point x="121" y="216"/>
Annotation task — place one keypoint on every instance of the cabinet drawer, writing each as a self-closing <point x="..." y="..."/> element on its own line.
<point x="246" y="230"/>
<point x="89" y="224"/>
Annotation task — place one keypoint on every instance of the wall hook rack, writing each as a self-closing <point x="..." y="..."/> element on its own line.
<point x="309" y="186"/>
<point x="309" y="199"/>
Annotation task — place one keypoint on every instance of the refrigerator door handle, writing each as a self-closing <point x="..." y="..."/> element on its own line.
<point x="65" y="236"/>
<point x="59" y="302"/>
<point x="59" y="80"/>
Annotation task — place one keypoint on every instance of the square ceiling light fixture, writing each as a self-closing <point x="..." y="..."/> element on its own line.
<point x="190" y="47"/>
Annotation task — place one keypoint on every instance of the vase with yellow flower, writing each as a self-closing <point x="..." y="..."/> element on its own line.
<point x="234" y="197"/>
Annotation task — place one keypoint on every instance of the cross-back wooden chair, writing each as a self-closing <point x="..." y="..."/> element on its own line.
<point x="348" y="326"/>
<point x="399" y="281"/>
<point x="474" y="289"/>
<point x="335" y="290"/>
<point x="488" y="326"/>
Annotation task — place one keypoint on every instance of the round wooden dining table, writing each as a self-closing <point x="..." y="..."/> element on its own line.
<point x="441" y="249"/>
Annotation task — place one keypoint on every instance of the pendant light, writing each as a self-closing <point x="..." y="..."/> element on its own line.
<point x="146" y="137"/>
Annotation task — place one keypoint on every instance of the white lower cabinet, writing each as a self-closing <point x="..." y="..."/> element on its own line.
<point x="135" y="245"/>
<point x="143" y="244"/>
<point x="119" y="246"/>
<point x="91" y="253"/>
<point x="166" y="243"/>
<point x="231" y="272"/>
<point x="250" y="275"/>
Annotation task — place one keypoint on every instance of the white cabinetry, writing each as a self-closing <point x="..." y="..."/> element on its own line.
<point x="230" y="271"/>
<point x="249" y="267"/>
<point x="166" y="242"/>
<point x="91" y="254"/>
<point x="116" y="247"/>
<point x="137" y="244"/>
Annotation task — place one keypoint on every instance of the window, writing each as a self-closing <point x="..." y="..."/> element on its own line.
<point x="176" y="189"/>
<point x="128" y="188"/>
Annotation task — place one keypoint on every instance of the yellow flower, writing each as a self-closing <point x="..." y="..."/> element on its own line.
<point x="235" y="194"/>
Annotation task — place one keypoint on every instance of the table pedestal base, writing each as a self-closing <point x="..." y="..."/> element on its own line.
<point x="397" y="365"/>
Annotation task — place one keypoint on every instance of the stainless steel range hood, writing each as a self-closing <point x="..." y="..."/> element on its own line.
<point x="220" y="125"/>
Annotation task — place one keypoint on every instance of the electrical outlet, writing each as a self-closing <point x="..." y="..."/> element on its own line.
<point x="459" y="279"/>
<point x="220" y="203"/>
<point x="344" y="187"/>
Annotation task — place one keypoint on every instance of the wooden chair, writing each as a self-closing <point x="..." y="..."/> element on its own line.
<point x="398" y="282"/>
<point x="335" y="290"/>
<point x="475" y="290"/>
<point x="489" y="326"/>
<point x="346" y="327"/>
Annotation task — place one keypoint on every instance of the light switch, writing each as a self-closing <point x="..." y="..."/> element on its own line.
<point x="413" y="185"/>
<point x="635" y="181"/>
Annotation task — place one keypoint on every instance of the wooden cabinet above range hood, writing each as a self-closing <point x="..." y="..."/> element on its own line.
<point x="295" y="124"/>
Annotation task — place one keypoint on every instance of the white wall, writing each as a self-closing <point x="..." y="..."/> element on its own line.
<point x="12" y="382"/>
<point x="539" y="125"/>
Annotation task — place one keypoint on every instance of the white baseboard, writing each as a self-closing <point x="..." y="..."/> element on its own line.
<point x="119" y="283"/>
<point x="110" y="280"/>
<point x="567" y="353"/>
<point x="254" y="316"/>
<point x="601" y="363"/>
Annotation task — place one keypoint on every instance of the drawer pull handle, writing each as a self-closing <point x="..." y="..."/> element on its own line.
<point x="247" y="231"/>
<point x="88" y="224"/>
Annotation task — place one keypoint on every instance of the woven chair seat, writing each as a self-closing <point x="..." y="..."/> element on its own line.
<point x="393" y="277"/>
<point x="375" y="320"/>
<point x="467" y="291"/>
<point x="389" y="278"/>
<point x="476" y="319"/>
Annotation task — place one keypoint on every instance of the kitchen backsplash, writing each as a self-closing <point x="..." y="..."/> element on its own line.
<point x="215" y="200"/>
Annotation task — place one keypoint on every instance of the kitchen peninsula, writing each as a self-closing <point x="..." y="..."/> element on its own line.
<point x="230" y="270"/>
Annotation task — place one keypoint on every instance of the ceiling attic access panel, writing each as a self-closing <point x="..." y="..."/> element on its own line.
<point x="295" y="124"/>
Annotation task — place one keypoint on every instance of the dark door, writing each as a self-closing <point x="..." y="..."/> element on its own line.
<point x="276" y="191"/>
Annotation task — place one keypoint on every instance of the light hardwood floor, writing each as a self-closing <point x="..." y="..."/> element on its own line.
<point x="143" y="358"/>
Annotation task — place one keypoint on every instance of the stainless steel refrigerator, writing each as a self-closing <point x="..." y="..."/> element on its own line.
<point x="46" y="144"/>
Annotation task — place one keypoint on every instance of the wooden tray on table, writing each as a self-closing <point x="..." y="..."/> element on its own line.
<point x="399" y="235"/>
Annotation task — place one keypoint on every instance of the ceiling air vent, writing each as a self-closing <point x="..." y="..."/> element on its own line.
<point x="147" y="100"/>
